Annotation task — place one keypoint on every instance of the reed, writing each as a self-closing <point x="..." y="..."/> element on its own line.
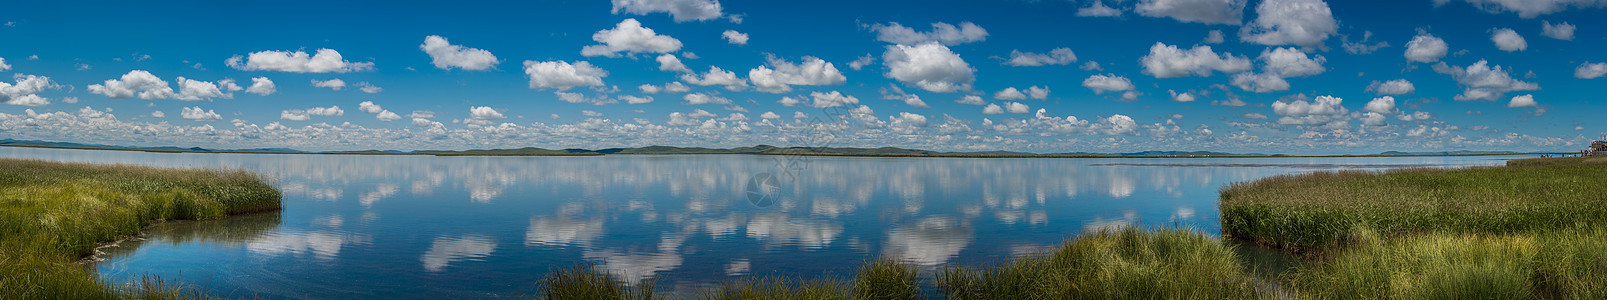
<point x="1127" y="263"/>
<point x="53" y="214"/>
<point x="1561" y="264"/>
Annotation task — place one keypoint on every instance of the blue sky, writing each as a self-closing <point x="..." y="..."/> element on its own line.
<point x="1285" y="76"/>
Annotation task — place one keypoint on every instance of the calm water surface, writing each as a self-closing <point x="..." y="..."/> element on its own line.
<point x="489" y="227"/>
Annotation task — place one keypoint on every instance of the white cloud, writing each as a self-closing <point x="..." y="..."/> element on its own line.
<point x="1036" y="92"/>
<point x="1017" y="108"/>
<point x="701" y="98"/>
<point x="832" y="99"/>
<point x="1214" y="37"/>
<point x="369" y="107"/>
<point x="943" y="33"/>
<point x="1167" y="61"/>
<point x="673" y="87"/>
<point x="1529" y="9"/>
<point x="136" y="82"/>
<point x="1426" y="48"/>
<point x="1225" y="12"/>
<point x="668" y="62"/>
<point x="629" y="36"/>
<point x="717" y="76"/>
<point x="333" y="84"/>
<point x="324" y="61"/>
<point x="770" y="116"/>
<point x="1522" y="101"/>
<point x="1010" y="94"/>
<point x="1561" y="31"/>
<point x="930" y="66"/>
<point x="1058" y="56"/>
<point x="1091" y="66"/>
<point x="484" y="113"/>
<point x="193" y="90"/>
<point x="1260" y="82"/>
<point x="1107" y="83"/>
<point x="23" y="91"/>
<point x="562" y="75"/>
<point x="813" y="71"/>
<point x="1306" y="23"/>
<point x="195" y="113"/>
<point x="579" y="98"/>
<point x="1098" y="9"/>
<point x="860" y="63"/>
<point x="1483" y="82"/>
<point x="446" y="56"/>
<point x="1361" y="47"/>
<point x="681" y="10"/>
<point x="992" y="109"/>
<point x="636" y="100"/>
<point x="734" y="37"/>
<point x="1383" y="105"/>
<point x="589" y="113"/>
<point x="369" y="88"/>
<point x="1181" y="97"/>
<point x="1392" y="87"/>
<point x="1119" y="125"/>
<point x="158" y="114"/>
<point x="970" y="100"/>
<point x="1508" y="40"/>
<point x="1325" y="111"/>
<point x="1291" y="62"/>
<point x="3" y="66"/>
<point x="387" y="116"/>
<point x="262" y="86"/>
<point x="331" y="111"/>
<point x="1590" y="70"/>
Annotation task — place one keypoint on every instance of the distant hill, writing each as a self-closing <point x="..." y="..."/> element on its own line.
<point x="1459" y="152"/>
<point x="1168" y="153"/>
<point x="45" y="144"/>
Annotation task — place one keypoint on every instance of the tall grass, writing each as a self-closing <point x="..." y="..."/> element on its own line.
<point x="1128" y="263"/>
<point x="52" y="214"/>
<point x="1311" y="213"/>
<point x="1562" y="264"/>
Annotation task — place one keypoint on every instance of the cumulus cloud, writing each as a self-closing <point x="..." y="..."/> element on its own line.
<point x="734" y="37"/>
<point x="1224" y="12"/>
<point x="369" y="87"/>
<point x="158" y="114"/>
<point x="323" y="61"/>
<point x="445" y="55"/>
<point x="3" y="66"/>
<point x="1483" y="82"/>
<point x="1522" y="101"/>
<point x="562" y="75"/>
<point x="194" y="90"/>
<point x="992" y="109"/>
<point x="1426" y="48"/>
<point x="1382" y="105"/>
<point x="1306" y="23"/>
<point x="1039" y="93"/>
<point x="25" y="89"/>
<point x="1098" y="9"/>
<point x="1058" y="56"/>
<point x="369" y="107"/>
<point x="1107" y="83"/>
<point x="1214" y="37"/>
<point x="668" y="62"/>
<point x="485" y="113"/>
<point x="579" y="98"/>
<point x="636" y="99"/>
<point x="717" y="76"/>
<point x="1181" y="97"/>
<point x="1590" y="70"/>
<point x="1323" y="111"/>
<point x="681" y="10"/>
<point x="630" y="37"/>
<point x="1016" y="108"/>
<point x="333" y="84"/>
<point x="1529" y="9"/>
<point x="1392" y="87"/>
<point x="1167" y="61"/>
<point x="1508" y="40"/>
<point x="1260" y="82"/>
<point x="673" y="87"/>
<point x="197" y="114"/>
<point x="1361" y="47"/>
<point x="1561" y="31"/>
<point x="970" y="100"/>
<point x="832" y="99"/>
<point x="1291" y="62"/>
<point x="136" y="82"/>
<point x="944" y="33"/>
<point x="781" y="75"/>
<point x="1010" y="93"/>
<point x="1119" y="125"/>
<point x="701" y="98"/>
<point x="930" y="66"/>
<point x="262" y="86"/>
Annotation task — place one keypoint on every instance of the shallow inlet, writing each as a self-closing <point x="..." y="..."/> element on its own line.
<point x="490" y="227"/>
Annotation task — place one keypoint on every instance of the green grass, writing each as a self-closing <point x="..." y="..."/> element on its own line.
<point x="53" y="214"/>
<point x="1561" y="264"/>
<point x="1314" y="212"/>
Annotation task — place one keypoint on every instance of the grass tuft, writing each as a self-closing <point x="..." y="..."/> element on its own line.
<point x="585" y="281"/>
<point x="1129" y="263"/>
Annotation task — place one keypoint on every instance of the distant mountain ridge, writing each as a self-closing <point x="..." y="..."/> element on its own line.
<point x="758" y="150"/>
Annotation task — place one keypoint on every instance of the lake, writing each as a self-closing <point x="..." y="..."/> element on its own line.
<point x="357" y="226"/>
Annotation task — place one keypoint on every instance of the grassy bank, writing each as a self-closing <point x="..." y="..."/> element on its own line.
<point x="1314" y="212"/>
<point x="1123" y="264"/>
<point x="54" y="214"/>
<point x="1557" y="264"/>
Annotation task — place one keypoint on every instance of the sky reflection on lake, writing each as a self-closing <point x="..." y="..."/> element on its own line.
<point x="489" y="227"/>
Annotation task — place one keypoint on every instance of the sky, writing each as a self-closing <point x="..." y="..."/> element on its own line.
<point x="1047" y="76"/>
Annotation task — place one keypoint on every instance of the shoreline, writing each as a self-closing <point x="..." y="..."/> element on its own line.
<point x="772" y="154"/>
